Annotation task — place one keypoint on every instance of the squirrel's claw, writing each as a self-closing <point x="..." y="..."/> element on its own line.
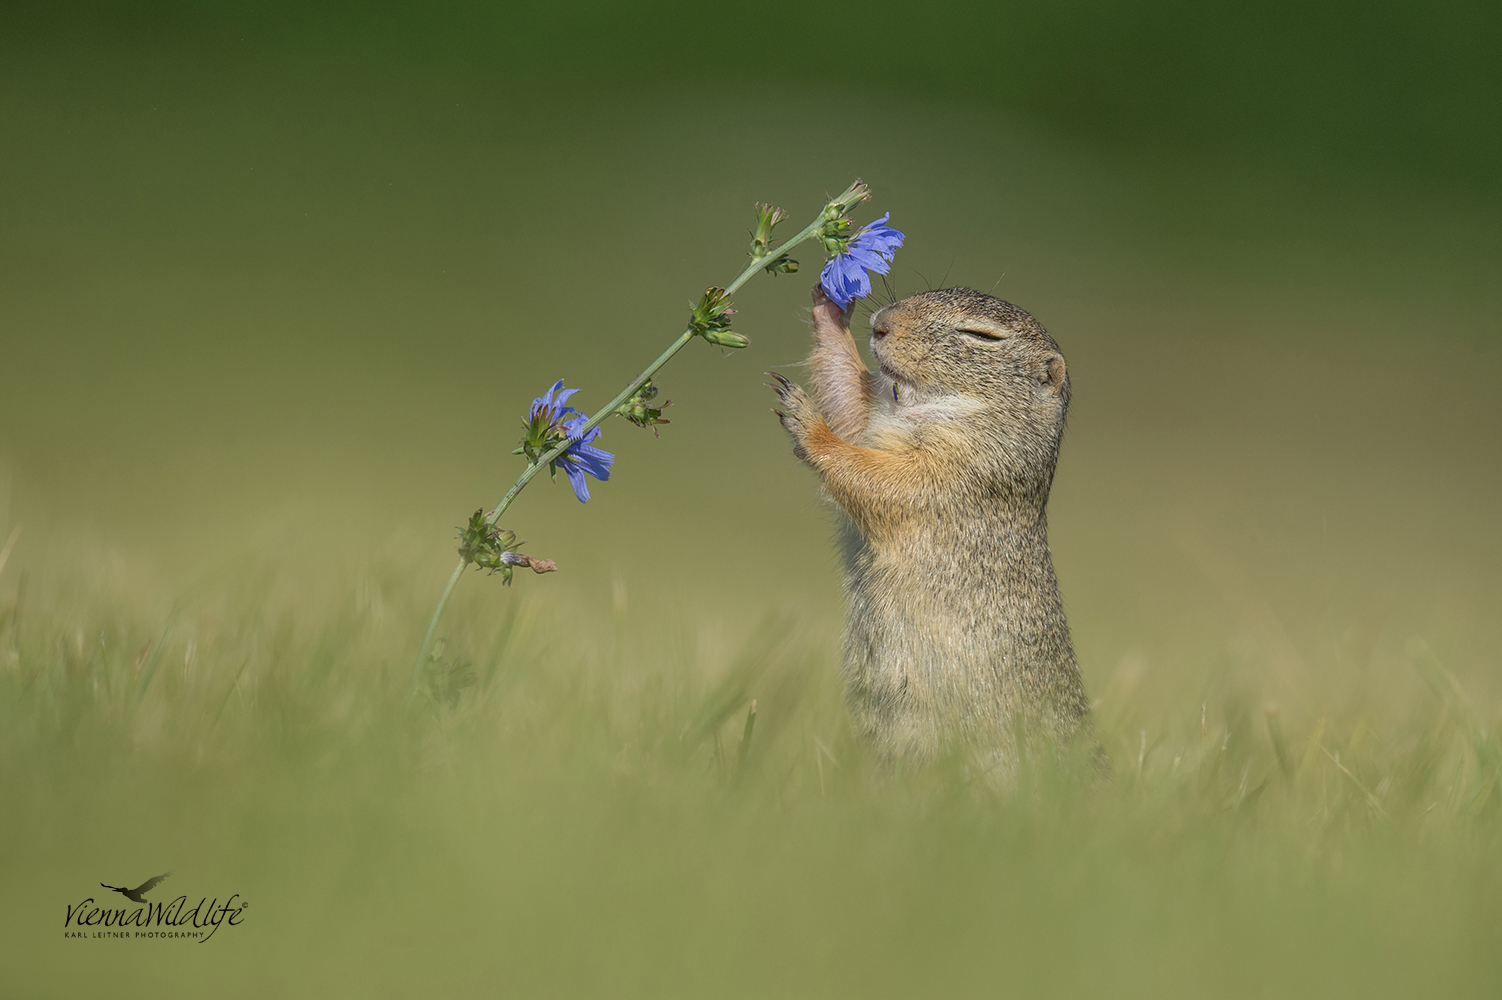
<point x="784" y="384"/>
<point x="800" y="413"/>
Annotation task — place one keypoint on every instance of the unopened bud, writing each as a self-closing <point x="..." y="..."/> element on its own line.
<point x="638" y="410"/>
<point x="710" y="319"/>
<point x="767" y="218"/>
<point x="725" y="338"/>
<point x="852" y="196"/>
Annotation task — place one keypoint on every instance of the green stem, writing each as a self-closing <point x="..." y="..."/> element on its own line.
<point x="427" y="640"/>
<point x="757" y="264"/>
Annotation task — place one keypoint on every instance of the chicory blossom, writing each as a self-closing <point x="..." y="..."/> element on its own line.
<point x="844" y="278"/>
<point x="550" y="407"/>
<point x="551" y="423"/>
<point x="582" y="456"/>
<point x="544" y="423"/>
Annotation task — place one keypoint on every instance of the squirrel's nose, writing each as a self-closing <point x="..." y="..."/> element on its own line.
<point x="880" y="330"/>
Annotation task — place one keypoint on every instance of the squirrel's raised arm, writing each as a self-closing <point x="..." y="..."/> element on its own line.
<point x="841" y="381"/>
<point x="877" y="487"/>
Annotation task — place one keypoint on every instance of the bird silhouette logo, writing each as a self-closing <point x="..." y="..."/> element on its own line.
<point x="138" y="894"/>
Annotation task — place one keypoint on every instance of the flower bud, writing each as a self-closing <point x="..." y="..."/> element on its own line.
<point x="725" y="338"/>
<point x="710" y="319"/>
<point x="490" y="548"/>
<point x="835" y="232"/>
<point x="714" y="304"/>
<point x="637" y="410"/>
<point x="852" y="196"/>
<point x="767" y="218"/>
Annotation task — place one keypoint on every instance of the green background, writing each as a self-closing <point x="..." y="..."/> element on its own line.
<point x="276" y="285"/>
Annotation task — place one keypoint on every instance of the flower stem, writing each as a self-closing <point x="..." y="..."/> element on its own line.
<point x="427" y="640"/>
<point x="757" y="264"/>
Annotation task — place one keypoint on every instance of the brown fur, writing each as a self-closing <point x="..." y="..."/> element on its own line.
<point x="956" y="634"/>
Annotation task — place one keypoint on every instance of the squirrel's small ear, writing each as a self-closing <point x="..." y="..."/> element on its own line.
<point x="1051" y="373"/>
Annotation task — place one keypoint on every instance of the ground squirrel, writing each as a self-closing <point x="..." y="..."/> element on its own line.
<point x="942" y="464"/>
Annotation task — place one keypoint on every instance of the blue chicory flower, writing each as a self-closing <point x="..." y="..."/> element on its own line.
<point x="550" y="407"/>
<point x="582" y="456"/>
<point x="844" y="278"/>
<point x="551" y="423"/>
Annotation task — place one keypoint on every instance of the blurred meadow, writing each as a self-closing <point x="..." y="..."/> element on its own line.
<point x="276" y="287"/>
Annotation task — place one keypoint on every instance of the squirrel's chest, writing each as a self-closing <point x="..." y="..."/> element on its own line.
<point x="945" y="574"/>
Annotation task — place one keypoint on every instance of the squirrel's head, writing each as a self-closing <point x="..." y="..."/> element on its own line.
<point x="987" y="362"/>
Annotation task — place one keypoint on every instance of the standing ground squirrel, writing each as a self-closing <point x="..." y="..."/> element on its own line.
<point x="942" y="463"/>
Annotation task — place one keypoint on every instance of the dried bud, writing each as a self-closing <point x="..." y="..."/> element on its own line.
<point x="531" y="562"/>
<point x="488" y="547"/>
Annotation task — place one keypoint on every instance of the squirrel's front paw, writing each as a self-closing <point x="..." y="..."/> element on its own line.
<point x="829" y="318"/>
<point x="798" y="413"/>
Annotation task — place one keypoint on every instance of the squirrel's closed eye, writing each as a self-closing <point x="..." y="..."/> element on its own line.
<point x="981" y="334"/>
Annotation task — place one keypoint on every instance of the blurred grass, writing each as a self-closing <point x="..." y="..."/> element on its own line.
<point x="568" y="811"/>
<point x="269" y="316"/>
